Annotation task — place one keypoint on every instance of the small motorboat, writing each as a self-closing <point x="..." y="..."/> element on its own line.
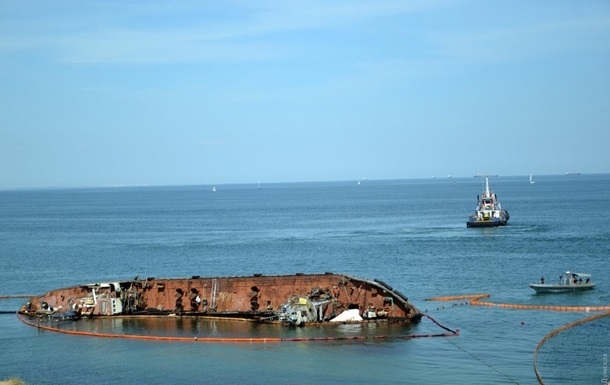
<point x="489" y="212"/>
<point x="572" y="282"/>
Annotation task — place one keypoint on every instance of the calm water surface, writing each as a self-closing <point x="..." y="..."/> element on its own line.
<point x="409" y="233"/>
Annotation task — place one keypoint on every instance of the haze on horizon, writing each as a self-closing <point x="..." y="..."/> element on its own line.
<point x="106" y="93"/>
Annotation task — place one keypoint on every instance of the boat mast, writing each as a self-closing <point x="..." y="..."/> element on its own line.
<point x="487" y="186"/>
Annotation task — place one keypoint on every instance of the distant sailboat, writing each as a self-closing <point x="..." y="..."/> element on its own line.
<point x="532" y="179"/>
<point x="214" y="189"/>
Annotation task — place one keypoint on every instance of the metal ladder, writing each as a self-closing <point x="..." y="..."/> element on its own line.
<point x="214" y="290"/>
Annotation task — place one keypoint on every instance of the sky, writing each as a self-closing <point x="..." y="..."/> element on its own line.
<point x="120" y="92"/>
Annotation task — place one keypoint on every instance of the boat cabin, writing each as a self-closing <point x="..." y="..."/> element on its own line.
<point x="575" y="279"/>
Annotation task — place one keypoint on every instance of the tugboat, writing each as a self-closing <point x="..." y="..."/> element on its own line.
<point x="489" y="212"/>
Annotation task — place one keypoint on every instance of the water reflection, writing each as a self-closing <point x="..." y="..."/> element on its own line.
<point x="196" y="327"/>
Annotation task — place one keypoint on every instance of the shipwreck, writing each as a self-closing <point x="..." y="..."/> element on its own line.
<point x="297" y="300"/>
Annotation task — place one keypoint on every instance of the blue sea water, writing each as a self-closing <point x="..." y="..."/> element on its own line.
<point x="409" y="233"/>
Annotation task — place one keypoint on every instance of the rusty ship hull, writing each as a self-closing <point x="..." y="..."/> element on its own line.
<point x="299" y="300"/>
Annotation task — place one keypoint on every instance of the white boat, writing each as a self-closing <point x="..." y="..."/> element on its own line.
<point x="572" y="282"/>
<point x="489" y="211"/>
<point x="532" y="179"/>
<point x="214" y="189"/>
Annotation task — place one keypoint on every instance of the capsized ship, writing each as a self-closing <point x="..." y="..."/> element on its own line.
<point x="489" y="211"/>
<point x="298" y="300"/>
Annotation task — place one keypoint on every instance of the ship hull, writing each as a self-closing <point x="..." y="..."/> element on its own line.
<point x="546" y="288"/>
<point x="495" y="222"/>
<point x="298" y="299"/>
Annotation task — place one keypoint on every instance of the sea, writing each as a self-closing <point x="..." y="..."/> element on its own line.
<point x="411" y="234"/>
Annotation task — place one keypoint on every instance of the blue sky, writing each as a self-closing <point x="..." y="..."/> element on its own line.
<point x="97" y="93"/>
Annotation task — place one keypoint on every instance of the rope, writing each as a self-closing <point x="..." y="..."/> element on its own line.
<point x="454" y="332"/>
<point x="11" y="296"/>
<point x="475" y="300"/>
<point x="559" y="330"/>
<point x="457" y="332"/>
<point x="484" y="363"/>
